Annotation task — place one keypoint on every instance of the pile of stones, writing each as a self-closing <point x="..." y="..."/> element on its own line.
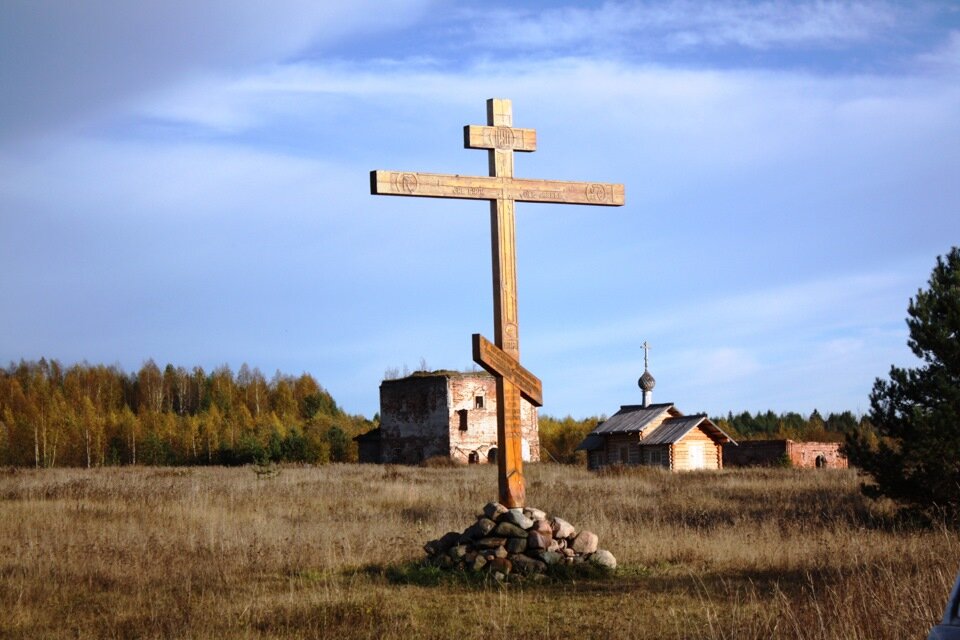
<point x="521" y="541"/>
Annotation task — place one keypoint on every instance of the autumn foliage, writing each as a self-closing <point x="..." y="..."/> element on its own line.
<point x="93" y="415"/>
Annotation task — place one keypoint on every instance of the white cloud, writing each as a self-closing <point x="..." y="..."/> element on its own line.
<point x="683" y="25"/>
<point x="946" y="58"/>
<point x="61" y="62"/>
<point x="804" y="310"/>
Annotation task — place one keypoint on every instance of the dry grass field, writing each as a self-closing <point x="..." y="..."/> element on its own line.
<point x="330" y="552"/>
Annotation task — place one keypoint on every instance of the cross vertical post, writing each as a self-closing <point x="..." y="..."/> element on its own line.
<point x="505" y="321"/>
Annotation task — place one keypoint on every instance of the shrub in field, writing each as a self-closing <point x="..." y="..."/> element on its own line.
<point x="440" y="462"/>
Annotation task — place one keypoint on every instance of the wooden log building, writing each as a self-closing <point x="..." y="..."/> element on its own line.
<point x="656" y="435"/>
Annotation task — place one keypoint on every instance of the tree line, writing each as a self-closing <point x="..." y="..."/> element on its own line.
<point x="95" y="415"/>
<point x="793" y="426"/>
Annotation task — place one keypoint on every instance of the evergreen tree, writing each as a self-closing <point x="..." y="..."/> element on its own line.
<point x="917" y="411"/>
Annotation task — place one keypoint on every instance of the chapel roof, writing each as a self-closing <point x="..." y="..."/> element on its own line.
<point x="674" y="429"/>
<point x="638" y="419"/>
<point x="634" y="418"/>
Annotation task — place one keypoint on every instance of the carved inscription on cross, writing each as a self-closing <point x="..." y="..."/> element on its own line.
<point x="502" y="357"/>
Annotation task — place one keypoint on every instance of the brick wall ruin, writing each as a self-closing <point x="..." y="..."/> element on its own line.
<point x="446" y="414"/>
<point x="769" y="453"/>
<point x="808" y="455"/>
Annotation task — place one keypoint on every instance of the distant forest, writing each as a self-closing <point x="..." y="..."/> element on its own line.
<point x="94" y="415"/>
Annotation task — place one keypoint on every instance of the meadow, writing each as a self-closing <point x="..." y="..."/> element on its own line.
<point x="332" y="551"/>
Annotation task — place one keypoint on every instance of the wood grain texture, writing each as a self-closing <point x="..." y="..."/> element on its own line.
<point x="499" y="364"/>
<point x="442" y="185"/>
<point x="503" y="138"/>
<point x="506" y="324"/>
<point x="510" y="482"/>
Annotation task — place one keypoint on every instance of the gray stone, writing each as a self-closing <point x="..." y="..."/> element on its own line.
<point x="515" y="516"/>
<point x="500" y="552"/>
<point x="567" y="551"/>
<point x="509" y="530"/>
<point x="458" y="552"/>
<point x="469" y="535"/>
<point x="535" y="514"/>
<point x="553" y="546"/>
<point x="549" y="558"/>
<point x="585" y="542"/>
<point x="484" y="526"/>
<point x="432" y="547"/>
<point x="517" y="545"/>
<point x="562" y="528"/>
<point x="478" y="563"/>
<point x="526" y="565"/>
<point x="493" y="510"/>
<point x="490" y="543"/>
<point x="536" y="540"/>
<point x="448" y="540"/>
<point x="603" y="558"/>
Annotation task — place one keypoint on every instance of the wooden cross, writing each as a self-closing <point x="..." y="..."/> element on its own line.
<point x="502" y="357"/>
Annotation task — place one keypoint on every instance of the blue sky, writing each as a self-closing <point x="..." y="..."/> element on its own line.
<point x="188" y="181"/>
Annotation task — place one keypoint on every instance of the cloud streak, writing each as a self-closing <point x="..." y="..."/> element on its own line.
<point x="683" y="25"/>
<point x="62" y="63"/>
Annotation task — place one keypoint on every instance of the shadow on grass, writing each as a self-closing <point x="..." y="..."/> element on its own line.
<point x="588" y="579"/>
<point x="424" y="574"/>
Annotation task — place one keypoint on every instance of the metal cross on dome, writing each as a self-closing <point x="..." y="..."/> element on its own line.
<point x="502" y="357"/>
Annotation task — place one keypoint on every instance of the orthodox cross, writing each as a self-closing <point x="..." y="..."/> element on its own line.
<point x="646" y="352"/>
<point x="501" y="357"/>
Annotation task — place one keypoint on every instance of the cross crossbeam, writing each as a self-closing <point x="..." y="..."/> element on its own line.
<point x="440" y="185"/>
<point x="500" y="364"/>
<point x="502" y="356"/>
<point x="502" y="138"/>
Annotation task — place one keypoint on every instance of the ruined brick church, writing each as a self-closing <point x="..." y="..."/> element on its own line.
<point x="443" y="413"/>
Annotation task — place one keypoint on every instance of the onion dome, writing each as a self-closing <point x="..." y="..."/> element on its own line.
<point x="646" y="381"/>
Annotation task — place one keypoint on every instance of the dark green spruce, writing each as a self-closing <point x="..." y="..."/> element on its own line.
<point x="917" y="410"/>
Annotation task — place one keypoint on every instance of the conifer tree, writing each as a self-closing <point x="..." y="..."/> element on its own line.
<point x="917" y="411"/>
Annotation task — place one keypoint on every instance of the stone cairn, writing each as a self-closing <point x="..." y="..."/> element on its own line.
<point x="522" y="541"/>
